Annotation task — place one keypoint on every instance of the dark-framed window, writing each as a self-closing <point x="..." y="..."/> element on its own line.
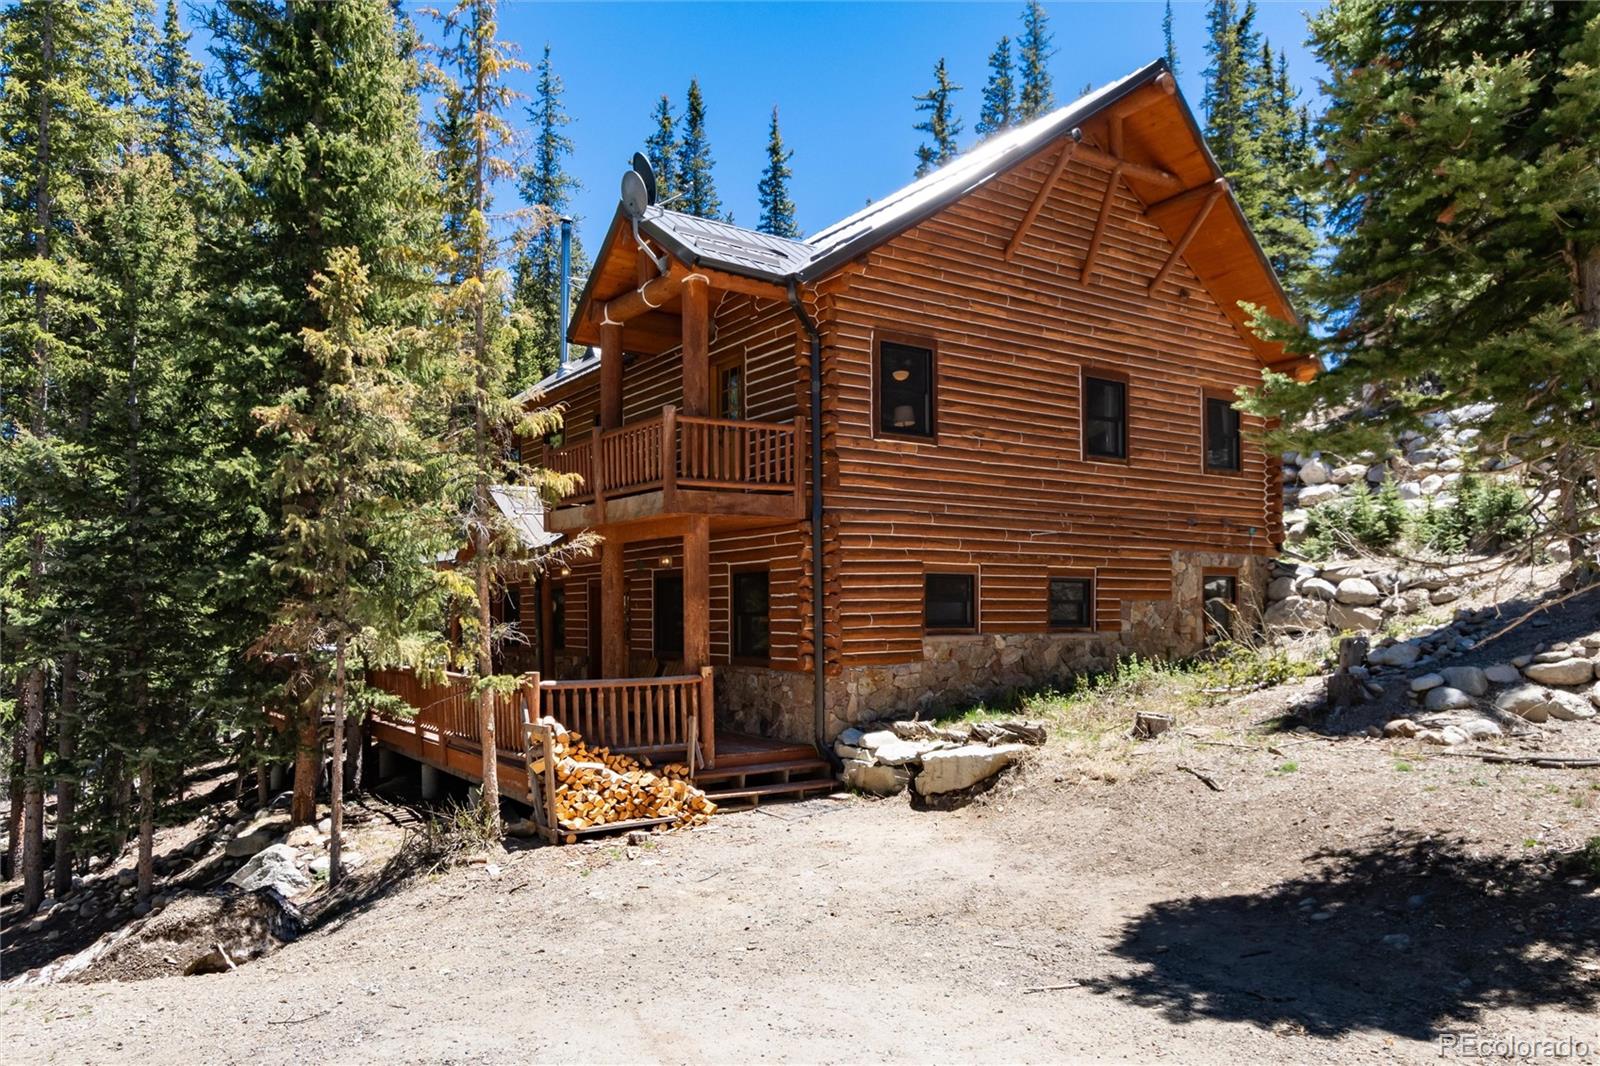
<point x="1222" y="434"/>
<point x="668" y="620"/>
<point x="752" y="626"/>
<point x="1105" y="418"/>
<point x="1220" y="593"/>
<point x="1071" y="602"/>
<point x="950" y="601"/>
<point x="511" y="606"/>
<point x="730" y="390"/>
<point x="905" y="390"/>
<point x="558" y="617"/>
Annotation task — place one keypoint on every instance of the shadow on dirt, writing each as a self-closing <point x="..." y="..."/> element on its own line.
<point x="1408" y="936"/>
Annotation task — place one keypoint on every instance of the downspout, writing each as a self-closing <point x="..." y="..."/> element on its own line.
<point x="566" y="290"/>
<point x="819" y="680"/>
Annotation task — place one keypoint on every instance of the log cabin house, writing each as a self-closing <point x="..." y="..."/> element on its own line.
<point x="976" y="436"/>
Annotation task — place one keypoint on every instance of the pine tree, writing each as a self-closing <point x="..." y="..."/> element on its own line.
<point x="1462" y="190"/>
<point x="1284" y="218"/>
<point x="694" y="161"/>
<point x="661" y="148"/>
<point x="999" y="92"/>
<point x="777" y="208"/>
<point x="328" y="156"/>
<point x="1171" y="47"/>
<point x="545" y="184"/>
<point x="1232" y="101"/>
<point x="941" y="125"/>
<point x="186" y="117"/>
<point x="1036" y="48"/>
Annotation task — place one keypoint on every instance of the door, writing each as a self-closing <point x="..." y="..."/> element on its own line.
<point x="594" y="629"/>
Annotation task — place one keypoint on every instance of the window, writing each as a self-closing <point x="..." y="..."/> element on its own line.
<point x="1071" y="602"/>
<point x="1105" y="418"/>
<point x="1220" y="593"/>
<point x="905" y="390"/>
<point x="949" y="601"/>
<point x="730" y="390"/>
<point x="511" y="606"/>
<point x="751" y="624"/>
<point x="1222" y="434"/>
<point x="668" y="616"/>
<point x="558" y="617"/>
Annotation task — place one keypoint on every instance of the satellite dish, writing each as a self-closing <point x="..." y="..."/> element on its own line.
<point x="635" y="195"/>
<point x="642" y="167"/>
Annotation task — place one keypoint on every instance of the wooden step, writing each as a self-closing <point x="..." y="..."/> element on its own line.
<point x="755" y="793"/>
<point x="787" y="766"/>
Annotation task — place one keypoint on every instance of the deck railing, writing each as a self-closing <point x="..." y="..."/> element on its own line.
<point x="674" y="450"/>
<point x="653" y="716"/>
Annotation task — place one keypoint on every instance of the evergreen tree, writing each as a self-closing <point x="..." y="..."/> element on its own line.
<point x="1171" y="47"/>
<point x="186" y="117"/>
<point x="777" y="208"/>
<point x="999" y="92"/>
<point x="1462" y="192"/>
<point x="1036" y="47"/>
<point x="545" y="184"/>
<point x="941" y="125"/>
<point x="661" y="148"/>
<point x="1284" y="219"/>
<point x="1232" y="101"/>
<point x="694" y="161"/>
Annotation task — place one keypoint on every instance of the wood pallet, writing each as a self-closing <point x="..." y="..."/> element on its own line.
<point x="783" y="774"/>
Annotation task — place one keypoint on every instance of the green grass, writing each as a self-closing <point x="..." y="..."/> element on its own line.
<point x="1287" y="768"/>
<point x="1588" y="857"/>
<point x="1403" y="767"/>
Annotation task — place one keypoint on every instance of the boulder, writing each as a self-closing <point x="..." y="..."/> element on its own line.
<point x="1414" y="600"/>
<point x="1357" y="591"/>
<point x="1312" y="495"/>
<point x="1346" y="617"/>
<point x="1445" y="698"/>
<point x="1525" y="701"/>
<point x="1431" y="485"/>
<point x="349" y="860"/>
<point x="1426" y="682"/>
<point x="1409" y="490"/>
<point x="1456" y="726"/>
<point x="1468" y="679"/>
<point x="1564" y="672"/>
<point x="253" y="837"/>
<point x="273" y="867"/>
<point x="897" y="752"/>
<point x="875" y="778"/>
<point x="1347" y="474"/>
<point x="954" y="769"/>
<point x="1318" y="588"/>
<point x="1502" y="674"/>
<point x="303" y="836"/>
<point x="1297" y="614"/>
<point x="1405" y="653"/>
<point x="1314" y="472"/>
<point x="1569" y="707"/>
<point x="1444" y="595"/>
<point x="1280" y="588"/>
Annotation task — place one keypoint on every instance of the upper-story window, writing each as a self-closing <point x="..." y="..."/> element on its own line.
<point x="1105" y="418"/>
<point x="1222" y="434"/>
<point x="905" y="390"/>
<point x="730" y="389"/>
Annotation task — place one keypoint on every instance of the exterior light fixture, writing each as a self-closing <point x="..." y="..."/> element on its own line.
<point x="901" y="374"/>
<point x="666" y="560"/>
<point x="566" y="571"/>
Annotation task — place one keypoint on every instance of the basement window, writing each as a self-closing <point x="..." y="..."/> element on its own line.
<point x="950" y="602"/>
<point x="1105" y="418"/>
<point x="905" y="390"/>
<point x="1222" y="434"/>
<point x="1221" y="595"/>
<point x="1071" y="602"/>
<point x="751" y="617"/>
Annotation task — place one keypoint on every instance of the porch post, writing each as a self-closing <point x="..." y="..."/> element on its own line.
<point x="610" y="375"/>
<point x="697" y="593"/>
<point x="547" y="618"/>
<point x="696" y="346"/>
<point x="613" y="623"/>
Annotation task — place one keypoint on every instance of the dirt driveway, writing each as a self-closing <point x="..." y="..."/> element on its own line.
<point x="1335" y="902"/>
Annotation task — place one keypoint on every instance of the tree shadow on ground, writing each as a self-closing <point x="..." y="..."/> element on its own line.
<point x="1479" y="933"/>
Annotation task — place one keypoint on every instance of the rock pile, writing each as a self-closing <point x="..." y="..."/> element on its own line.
<point x="885" y="757"/>
<point x="1351" y="596"/>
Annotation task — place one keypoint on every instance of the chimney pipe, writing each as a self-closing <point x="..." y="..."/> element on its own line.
<point x="566" y="284"/>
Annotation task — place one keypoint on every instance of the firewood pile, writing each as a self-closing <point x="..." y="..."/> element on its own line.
<point x="597" y="787"/>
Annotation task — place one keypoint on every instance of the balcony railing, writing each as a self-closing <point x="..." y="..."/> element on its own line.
<point x="675" y="451"/>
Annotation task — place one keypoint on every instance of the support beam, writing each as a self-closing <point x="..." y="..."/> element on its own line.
<point x="1100" y="225"/>
<point x="1137" y="171"/>
<point x="1175" y="205"/>
<point x="613" y="618"/>
<point x="697" y="594"/>
<point x="647" y="297"/>
<point x="726" y="282"/>
<point x="1039" y="198"/>
<point x="1188" y="235"/>
<point x="611" y="375"/>
<point x="696" y="346"/>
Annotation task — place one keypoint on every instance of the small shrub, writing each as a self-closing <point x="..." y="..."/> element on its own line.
<point x="1235" y="667"/>
<point x="1288" y="768"/>
<point x="1587" y="858"/>
<point x="1485" y="516"/>
<point x="1364" y="519"/>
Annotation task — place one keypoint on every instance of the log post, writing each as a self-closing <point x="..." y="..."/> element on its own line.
<point x="707" y="727"/>
<point x="696" y="346"/>
<point x="669" y="459"/>
<point x="610" y="375"/>
<point x="697" y="592"/>
<point x="613" y="623"/>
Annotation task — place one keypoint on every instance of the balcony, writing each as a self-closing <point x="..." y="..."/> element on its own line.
<point x="675" y="464"/>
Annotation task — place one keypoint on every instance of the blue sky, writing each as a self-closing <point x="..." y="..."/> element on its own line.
<point x="841" y="74"/>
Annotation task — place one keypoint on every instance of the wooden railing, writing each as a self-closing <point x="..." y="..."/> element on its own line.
<point x="673" y="451"/>
<point x="653" y="716"/>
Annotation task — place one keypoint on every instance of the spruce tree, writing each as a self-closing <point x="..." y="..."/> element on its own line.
<point x="777" y="207"/>
<point x="941" y="125"/>
<point x="661" y="148"/>
<point x="1036" y="47"/>
<point x="186" y="117"/>
<point x="1169" y="44"/>
<point x="545" y="184"/>
<point x="694" y="161"/>
<point x="1462" y="191"/>
<point x="999" y="92"/>
<point x="1232" y="101"/>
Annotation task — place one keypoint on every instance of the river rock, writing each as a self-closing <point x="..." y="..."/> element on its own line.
<point x="1560" y="672"/>
<point x="1468" y="679"/>
<point x="1297" y="614"/>
<point x="1402" y="654"/>
<point x="1318" y="588"/>
<point x="1502" y="674"/>
<point x="1569" y="707"/>
<point x="1314" y="472"/>
<point x="954" y="769"/>
<point x="1426" y="682"/>
<point x="1357" y="591"/>
<point x="1312" y="495"/>
<point x="1347" y="617"/>
<point x="1445" y="698"/>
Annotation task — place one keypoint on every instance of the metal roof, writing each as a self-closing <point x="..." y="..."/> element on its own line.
<point x="524" y="510"/>
<point x="725" y="246"/>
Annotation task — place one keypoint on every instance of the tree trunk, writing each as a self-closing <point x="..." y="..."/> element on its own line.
<point x="307" y="760"/>
<point x="66" y="776"/>
<point x="486" y="699"/>
<point x="14" y="814"/>
<point x="355" y="761"/>
<point x="33" y="793"/>
<point x="147" y="826"/>
<point x="336" y="769"/>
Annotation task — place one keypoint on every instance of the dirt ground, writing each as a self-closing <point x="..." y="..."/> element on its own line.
<point x="1057" y="918"/>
